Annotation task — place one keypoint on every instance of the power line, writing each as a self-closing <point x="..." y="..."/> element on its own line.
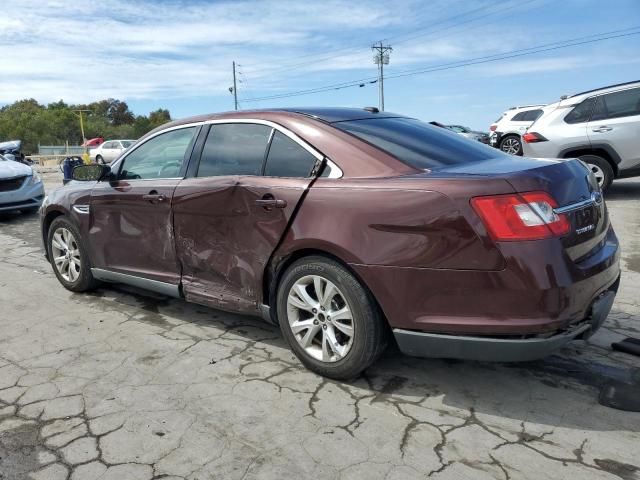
<point x="463" y="63"/>
<point x="318" y="57"/>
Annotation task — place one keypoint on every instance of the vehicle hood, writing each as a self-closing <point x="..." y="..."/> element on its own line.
<point x="10" y="169"/>
<point x="10" y="146"/>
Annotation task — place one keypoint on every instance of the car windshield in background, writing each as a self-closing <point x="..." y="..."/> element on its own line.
<point x="416" y="143"/>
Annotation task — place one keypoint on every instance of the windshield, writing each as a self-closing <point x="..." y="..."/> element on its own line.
<point x="417" y="143"/>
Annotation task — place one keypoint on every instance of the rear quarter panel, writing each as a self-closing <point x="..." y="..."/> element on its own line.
<point x="394" y="222"/>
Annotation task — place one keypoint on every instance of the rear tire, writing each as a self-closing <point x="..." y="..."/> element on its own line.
<point x="68" y="256"/>
<point x="340" y="347"/>
<point x="600" y="168"/>
<point x="100" y="160"/>
<point x="511" y="144"/>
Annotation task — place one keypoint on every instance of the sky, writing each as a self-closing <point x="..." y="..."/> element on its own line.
<point x="178" y="54"/>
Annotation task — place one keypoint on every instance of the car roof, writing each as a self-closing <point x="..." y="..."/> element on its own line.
<point x="341" y="114"/>
<point x="602" y="89"/>
<point x="324" y="114"/>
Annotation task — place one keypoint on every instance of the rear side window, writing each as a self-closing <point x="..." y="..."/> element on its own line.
<point x="288" y="159"/>
<point x="417" y="143"/>
<point x="519" y="117"/>
<point x="533" y="115"/>
<point x="234" y="149"/>
<point x="580" y="112"/>
<point x="618" y="104"/>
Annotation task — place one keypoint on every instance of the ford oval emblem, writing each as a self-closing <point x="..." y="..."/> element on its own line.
<point x="596" y="197"/>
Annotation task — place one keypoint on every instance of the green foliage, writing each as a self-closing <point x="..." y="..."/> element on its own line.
<point x="57" y="123"/>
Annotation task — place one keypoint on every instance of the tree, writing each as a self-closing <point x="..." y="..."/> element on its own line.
<point x="57" y="123"/>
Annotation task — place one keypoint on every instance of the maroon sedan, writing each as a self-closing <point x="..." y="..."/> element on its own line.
<point x="344" y="227"/>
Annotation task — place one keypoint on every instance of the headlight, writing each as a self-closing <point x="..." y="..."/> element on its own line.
<point x="35" y="178"/>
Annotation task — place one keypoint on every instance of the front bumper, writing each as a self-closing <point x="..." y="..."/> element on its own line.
<point x="421" y="344"/>
<point x="26" y="197"/>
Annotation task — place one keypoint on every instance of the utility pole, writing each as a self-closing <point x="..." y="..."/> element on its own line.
<point x="85" y="155"/>
<point x="79" y="112"/>
<point x="234" y="89"/>
<point x="381" y="58"/>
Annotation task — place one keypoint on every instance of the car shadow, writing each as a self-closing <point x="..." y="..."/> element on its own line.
<point x="627" y="189"/>
<point x="559" y="391"/>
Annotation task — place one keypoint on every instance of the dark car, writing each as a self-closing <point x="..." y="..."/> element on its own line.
<point x="347" y="226"/>
<point x="481" y="137"/>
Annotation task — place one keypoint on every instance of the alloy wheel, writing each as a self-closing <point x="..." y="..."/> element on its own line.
<point x="320" y="318"/>
<point x="66" y="254"/>
<point x="511" y="145"/>
<point x="598" y="173"/>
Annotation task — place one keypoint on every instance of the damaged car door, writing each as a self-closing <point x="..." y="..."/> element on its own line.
<point x="131" y="230"/>
<point x="231" y="212"/>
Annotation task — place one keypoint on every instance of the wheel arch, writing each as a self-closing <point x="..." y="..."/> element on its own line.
<point x="604" y="151"/>
<point x="277" y="266"/>
<point x="48" y="219"/>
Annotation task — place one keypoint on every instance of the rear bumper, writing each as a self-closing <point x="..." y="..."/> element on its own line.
<point x="421" y="344"/>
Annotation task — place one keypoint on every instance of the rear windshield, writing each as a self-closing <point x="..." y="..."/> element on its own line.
<point x="417" y="143"/>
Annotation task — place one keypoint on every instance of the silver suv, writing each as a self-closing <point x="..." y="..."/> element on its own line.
<point x="601" y="127"/>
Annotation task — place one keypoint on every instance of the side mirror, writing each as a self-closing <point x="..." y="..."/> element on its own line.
<point x="90" y="173"/>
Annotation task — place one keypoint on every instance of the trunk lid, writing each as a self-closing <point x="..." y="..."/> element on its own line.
<point x="569" y="182"/>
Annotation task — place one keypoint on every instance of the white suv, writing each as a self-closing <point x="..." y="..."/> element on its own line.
<point x="601" y="127"/>
<point x="506" y="132"/>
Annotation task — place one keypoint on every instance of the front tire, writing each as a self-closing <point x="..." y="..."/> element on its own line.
<point x="330" y="321"/>
<point x="68" y="256"/>
<point x="511" y="144"/>
<point x="600" y="168"/>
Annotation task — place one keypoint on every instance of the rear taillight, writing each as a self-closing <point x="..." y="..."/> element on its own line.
<point x="523" y="216"/>
<point x="492" y="128"/>
<point x="533" y="137"/>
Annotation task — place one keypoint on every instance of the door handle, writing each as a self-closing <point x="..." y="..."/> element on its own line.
<point x="154" y="197"/>
<point x="601" y="129"/>
<point x="268" y="202"/>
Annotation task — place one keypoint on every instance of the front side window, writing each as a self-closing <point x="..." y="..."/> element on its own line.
<point x="580" y="112"/>
<point x="417" y="143"/>
<point x="234" y="149"/>
<point x="159" y="157"/>
<point x="288" y="159"/>
<point x="617" y="104"/>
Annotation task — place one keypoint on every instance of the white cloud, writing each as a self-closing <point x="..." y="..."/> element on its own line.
<point x="81" y="50"/>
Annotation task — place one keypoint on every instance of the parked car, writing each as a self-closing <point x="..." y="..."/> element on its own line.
<point x="12" y="150"/>
<point x="20" y="186"/>
<point x="108" y="151"/>
<point x="481" y="137"/>
<point x="93" y="142"/>
<point x="506" y="132"/>
<point x="343" y="226"/>
<point x="600" y="127"/>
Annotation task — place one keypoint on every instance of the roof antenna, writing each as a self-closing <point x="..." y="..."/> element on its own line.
<point x="372" y="109"/>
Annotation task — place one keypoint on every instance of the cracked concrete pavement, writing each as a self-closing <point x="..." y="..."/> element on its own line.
<point x="120" y="384"/>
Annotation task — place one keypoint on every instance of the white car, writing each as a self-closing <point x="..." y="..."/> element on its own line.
<point x="109" y="150"/>
<point x="506" y="132"/>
